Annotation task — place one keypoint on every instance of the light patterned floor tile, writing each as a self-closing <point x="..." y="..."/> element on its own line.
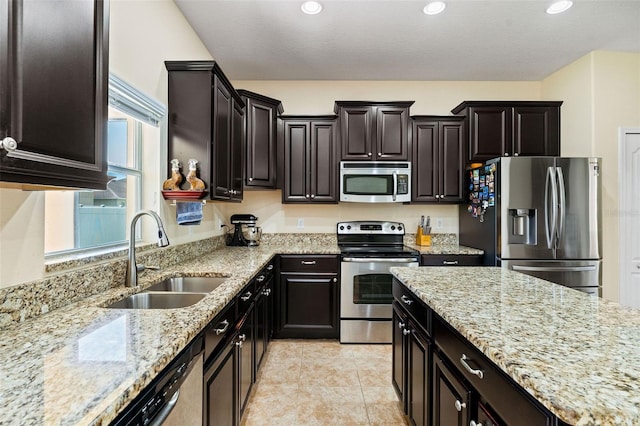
<point x="322" y="383"/>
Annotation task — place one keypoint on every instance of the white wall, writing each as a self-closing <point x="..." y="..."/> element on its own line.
<point x="601" y="93"/>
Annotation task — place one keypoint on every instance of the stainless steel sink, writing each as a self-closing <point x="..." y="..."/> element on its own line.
<point x="158" y="301"/>
<point x="189" y="284"/>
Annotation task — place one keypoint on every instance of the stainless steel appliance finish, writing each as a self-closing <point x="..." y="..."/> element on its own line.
<point x="175" y="397"/>
<point x="546" y="209"/>
<point x="375" y="181"/>
<point x="368" y="250"/>
<point x="245" y="232"/>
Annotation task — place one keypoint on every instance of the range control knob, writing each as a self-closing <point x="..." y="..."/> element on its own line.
<point x="393" y="227"/>
<point x="399" y="228"/>
<point x="348" y="226"/>
<point x="342" y="227"/>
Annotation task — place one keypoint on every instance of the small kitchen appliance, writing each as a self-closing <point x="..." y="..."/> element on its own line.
<point x="368" y="249"/>
<point x="245" y="232"/>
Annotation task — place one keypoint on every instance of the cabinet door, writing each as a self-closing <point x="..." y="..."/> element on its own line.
<point x="261" y="144"/>
<point x="451" y="397"/>
<point x="308" y="306"/>
<point x="54" y="72"/>
<point x="237" y="153"/>
<point x="425" y="161"/>
<point x="260" y="327"/>
<point x="392" y="138"/>
<point x="451" y="161"/>
<point x="220" y="387"/>
<point x="356" y="134"/>
<point x="419" y="361"/>
<point x="536" y="130"/>
<point x="398" y="360"/>
<point x="296" y="159"/>
<point x="222" y="122"/>
<point x="323" y="163"/>
<point x="489" y="132"/>
<point x="245" y="348"/>
<point x="486" y="417"/>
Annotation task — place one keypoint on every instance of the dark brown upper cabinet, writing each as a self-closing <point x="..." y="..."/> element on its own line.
<point x="516" y="128"/>
<point x="260" y="118"/>
<point x="206" y="123"/>
<point x="374" y="131"/>
<point x="54" y="73"/>
<point x="438" y="158"/>
<point x="310" y="169"/>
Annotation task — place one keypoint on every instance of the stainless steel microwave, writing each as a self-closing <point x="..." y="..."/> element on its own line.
<point x="375" y="181"/>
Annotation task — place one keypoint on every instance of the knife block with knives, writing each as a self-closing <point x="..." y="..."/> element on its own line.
<point x="423" y="235"/>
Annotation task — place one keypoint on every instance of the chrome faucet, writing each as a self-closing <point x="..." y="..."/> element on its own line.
<point x="131" y="279"/>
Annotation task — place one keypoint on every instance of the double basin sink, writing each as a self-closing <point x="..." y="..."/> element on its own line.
<point x="177" y="292"/>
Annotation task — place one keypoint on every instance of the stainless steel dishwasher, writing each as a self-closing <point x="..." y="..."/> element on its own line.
<point x="174" y="398"/>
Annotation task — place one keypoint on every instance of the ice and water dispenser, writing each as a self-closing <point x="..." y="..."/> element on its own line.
<point x="522" y="229"/>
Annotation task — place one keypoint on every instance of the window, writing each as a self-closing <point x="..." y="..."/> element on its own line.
<point x="78" y="221"/>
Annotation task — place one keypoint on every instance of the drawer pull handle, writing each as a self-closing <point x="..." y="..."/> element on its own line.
<point x="270" y="268"/>
<point x="246" y="296"/>
<point x="400" y="325"/>
<point x="406" y="300"/>
<point x="308" y="262"/>
<point x="406" y="332"/>
<point x="260" y="278"/>
<point x="225" y="327"/>
<point x="460" y="405"/>
<point x="467" y="367"/>
<point x="449" y="262"/>
<point x="473" y="423"/>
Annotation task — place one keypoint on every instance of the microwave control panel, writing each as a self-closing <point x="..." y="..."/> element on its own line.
<point x="403" y="184"/>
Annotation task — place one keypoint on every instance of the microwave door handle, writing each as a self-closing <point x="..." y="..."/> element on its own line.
<point x="395" y="185"/>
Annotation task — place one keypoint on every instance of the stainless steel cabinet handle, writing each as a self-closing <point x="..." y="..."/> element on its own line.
<point x="239" y="344"/>
<point x="437" y="196"/>
<point x="467" y="367"/>
<point x="473" y="423"/>
<point x="242" y="337"/>
<point x="270" y="268"/>
<point x="379" y="154"/>
<point x="405" y="331"/>
<point x="313" y="196"/>
<point x="406" y="300"/>
<point x="9" y="144"/>
<point x="369" y="154"/>
<point x="225" y="327"/>
<point x="250" y="179"/>
<point x="449" y="262"/>
<point x="260" y="278"/>
<point x="266" y="292"/>
<point x="460" y="405"/>
<point x="246" y="296"/>
<point x="308" y="262"/>
<point x="335" y="280"/>
<point x="400" y="325"/>
<point x="306" y="196"/>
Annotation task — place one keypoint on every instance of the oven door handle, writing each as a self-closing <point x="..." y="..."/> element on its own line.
<point x="380" y="259"/>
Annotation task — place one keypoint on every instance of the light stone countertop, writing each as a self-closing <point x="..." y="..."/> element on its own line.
<point x="578" y="355"/>
<point x="82" y="364"/>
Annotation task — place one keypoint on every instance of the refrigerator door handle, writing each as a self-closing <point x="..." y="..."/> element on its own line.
<point x="554" y="268"/>
<point x="550" y="223"/>
<point x="563" y="203"/>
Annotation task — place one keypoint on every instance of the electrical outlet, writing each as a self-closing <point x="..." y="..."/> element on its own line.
<point x="439" y="223"/>
<point x="300" y="223"/>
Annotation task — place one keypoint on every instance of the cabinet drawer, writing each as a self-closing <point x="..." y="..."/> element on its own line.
<point x="506" y="397"/>
<point x="451" y="260"/>
<point x="414" y="306"/>
<point x="219" y="330"/>
<point x="309" y="263"/>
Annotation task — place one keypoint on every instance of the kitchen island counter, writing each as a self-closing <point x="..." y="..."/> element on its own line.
<point x="576" y="354"/>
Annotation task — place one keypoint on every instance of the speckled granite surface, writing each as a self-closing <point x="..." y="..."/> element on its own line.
<point x="82" y="364"/>
<point x="577" y="355"/>
<point x="67" y="360"/>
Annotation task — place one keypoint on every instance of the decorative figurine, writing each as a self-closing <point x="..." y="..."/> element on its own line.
<point x="173" y="183"/>
<point x="196" y="184"/>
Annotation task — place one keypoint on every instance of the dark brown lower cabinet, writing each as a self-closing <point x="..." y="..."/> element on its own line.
<point x="219" y="384"/>
<point x="308" y="291"/>
<point x="451" y="397"/>
<point x="245" y="346"/>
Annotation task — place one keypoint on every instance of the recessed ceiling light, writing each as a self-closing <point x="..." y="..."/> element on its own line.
<point x="434" y="7"/>
<point x="311" y="7"/>
<point x="559" y="6"/>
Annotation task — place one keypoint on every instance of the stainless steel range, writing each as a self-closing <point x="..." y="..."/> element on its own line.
<point x="368" y="250"/>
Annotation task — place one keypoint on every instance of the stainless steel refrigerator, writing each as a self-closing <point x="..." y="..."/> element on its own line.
<point x="538" y="215"/>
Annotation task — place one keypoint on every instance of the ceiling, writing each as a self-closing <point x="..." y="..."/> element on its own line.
<point x="472" y="40"/>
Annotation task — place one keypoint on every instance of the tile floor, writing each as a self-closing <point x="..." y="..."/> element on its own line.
<point x="321" y="382"/>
